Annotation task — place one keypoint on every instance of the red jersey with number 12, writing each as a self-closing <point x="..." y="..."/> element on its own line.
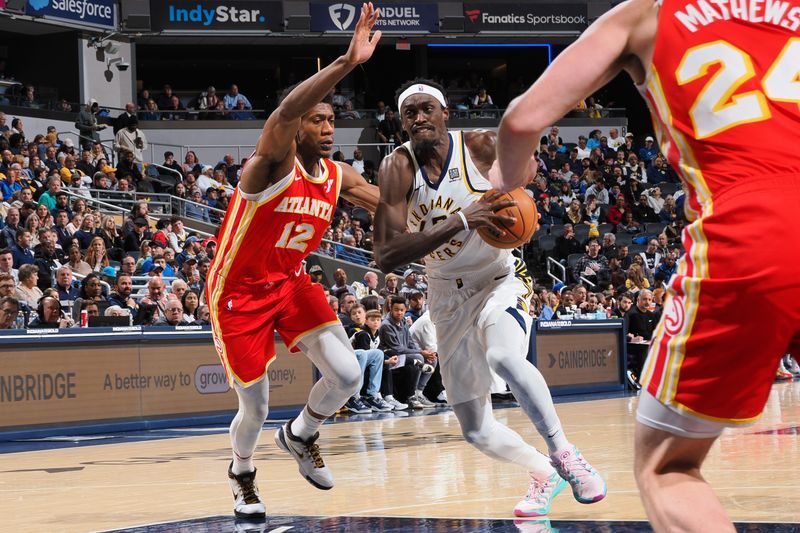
<point x="265" y="237"/>
<point x="724" y="89"/>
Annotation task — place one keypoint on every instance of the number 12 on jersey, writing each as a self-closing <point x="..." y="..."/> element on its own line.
<point x="302" y="233"/>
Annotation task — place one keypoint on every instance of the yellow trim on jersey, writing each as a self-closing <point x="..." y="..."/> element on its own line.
<point x="322" y="177"/>
<point x="221" y="276"/>
<point x="698" y="252"/>
<point x="318" y="327"/>
<point x="521" y="273"/>
<point x="339" y="177"/>
<point x="735" y="421"/>
<point x="462" y="161"/>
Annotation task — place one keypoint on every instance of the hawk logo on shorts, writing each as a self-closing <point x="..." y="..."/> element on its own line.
<point x="230" y="305"/>
<point x="674" y="319"/>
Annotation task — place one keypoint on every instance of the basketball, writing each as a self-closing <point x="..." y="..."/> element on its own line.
<point x="527" y="220"/>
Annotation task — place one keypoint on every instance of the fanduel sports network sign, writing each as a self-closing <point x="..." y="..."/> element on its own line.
<point x="234" y="15"/>
<point x="490" y="16"/>
<point x="395" y="18"/>
<point x="93" y="12"/>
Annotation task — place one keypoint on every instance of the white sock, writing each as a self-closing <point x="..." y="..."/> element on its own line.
<point x="305" y="425"/>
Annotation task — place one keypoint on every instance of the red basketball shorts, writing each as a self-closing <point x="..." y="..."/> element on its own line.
<point x="732" y="308"/>
<point x="244" y="319"/>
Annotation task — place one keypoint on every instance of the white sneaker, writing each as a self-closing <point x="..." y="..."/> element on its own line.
<point x="307" y="455"/>
<point x="247" y="502"/>
<point x="426" y="403"/>
<point x="442" y="397"/>
<point x="397" y="406"/>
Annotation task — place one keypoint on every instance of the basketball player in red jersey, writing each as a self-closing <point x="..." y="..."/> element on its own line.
<point x="256" y="285"/>
<point x="721" y="79"/>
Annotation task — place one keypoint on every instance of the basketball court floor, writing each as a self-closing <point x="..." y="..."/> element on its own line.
<point x="394" y="473"/>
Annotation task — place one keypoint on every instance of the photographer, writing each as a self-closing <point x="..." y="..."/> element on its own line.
<point x="131" y="139"/>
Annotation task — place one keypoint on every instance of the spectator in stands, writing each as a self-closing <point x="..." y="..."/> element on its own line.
<point x="96" y="254"/>
<point x="150" y="111"/>
<point x="347" y="112"/>
<point x="649" y="151"/>
<point x="87" y="124"/>
<point x="47" y="258"/>
<point x="390" y="131"/>
<point x="592" y="266"/>
<point x="411" y="283"/>
<point x="9" y="310"/>
<point x="629" y="224"/>
<point x="641" y="322"/>
<point x="111" y="238"/>
<point x="27" y="289"/>
<point x="86" y="232"/>
<point x="138" y="210"/>
<point x="121" y="122"/>
<point x="173" y="315"/>
<point x="165" y="98"/>
<point x="636" y="279"/>
<point x="156" y="295"/>
<point x="178" y="288"/>
<point x="145" y="253"/>
<point x="655" y="200"/>
<point x="11" y="184"/>
<point x="358" y="160"/>
<point x="189" y="162"/>
<point x="340" y="285"/>
<point x="196" y="208"/>
<point x="163" y="227"/>
<point x="128" y="265"/>
<point x="346" y="303"/>
<point x="169" y="162"/>
<point x="76" y="262"/>
<point x="351" y="253"/>
<point x="68" y="288"/>
<point x="390" y="285"/>
<point x="131" y="139"/>
<point x="48" y="198"/>
<point x="416" y="306"/>
<point x="594" y="213"/>
<point x="609" y="247"/>
<point x="651" y="255"/>
<point x="49" y="316"/>
<point x="190" y="302"/>
<point x="129" y="168"/>
<point x="62" y="203"/>
<point x="667" y="268"/>
<point x="482" y="100"/>
<point x="141" y="232"/>
<point x="396" y="340"/>
<point x="233" y="97"/>
<point x="599" y="191"/>
<point x="175" y="109"/>
<point x="367" y="286"/>
<point x="365" y="339"/>
<point x="91" y="290"/>
<point x="21" y="250"/>
<point x="203" y="316"/>
<point x="617" y="211"/>
<point x="567" y="244"/>
<point x="121" y="294"/>
<point x="8" y="235"/>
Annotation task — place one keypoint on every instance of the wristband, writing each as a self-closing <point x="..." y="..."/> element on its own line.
<point x="463" y="219"/>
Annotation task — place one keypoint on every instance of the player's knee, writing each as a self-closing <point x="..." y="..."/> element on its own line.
<point x="477" y="437"/>
<point x="347" y="376"/>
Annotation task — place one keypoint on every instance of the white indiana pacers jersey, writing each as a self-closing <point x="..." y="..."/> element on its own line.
<point x="430" y="202"/>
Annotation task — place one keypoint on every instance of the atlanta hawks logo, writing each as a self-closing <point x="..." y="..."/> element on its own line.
<point x="675" y="318"/>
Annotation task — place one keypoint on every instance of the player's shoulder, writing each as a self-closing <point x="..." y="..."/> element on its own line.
<point x="398" y="163"/>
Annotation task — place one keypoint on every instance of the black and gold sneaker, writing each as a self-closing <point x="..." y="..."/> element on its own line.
<point x="307" y="454"/>
<point x="247" y="502"/>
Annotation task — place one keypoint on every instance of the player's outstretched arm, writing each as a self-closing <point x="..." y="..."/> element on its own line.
<point x="393" y="245"/>
<point x="277" y="136"/>
<point x="355" y="189"/>
<point x="583" y="68"/>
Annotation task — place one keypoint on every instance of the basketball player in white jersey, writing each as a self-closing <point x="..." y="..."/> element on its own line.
<point x="478" y="294"/>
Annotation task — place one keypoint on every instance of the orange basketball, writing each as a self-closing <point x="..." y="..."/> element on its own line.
<point x="527" y="220"/>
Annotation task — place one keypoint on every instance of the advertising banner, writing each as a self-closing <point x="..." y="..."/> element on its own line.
<point x="395" y="18"/>
<point x="491" y="16"/>
<point x="91" y="12"/>
<point x="222" y="15"/>
<point x="578" y="358"/>
<point x="89" y="382"/>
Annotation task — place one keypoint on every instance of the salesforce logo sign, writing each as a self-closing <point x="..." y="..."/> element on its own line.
<point x="98" y="12"/>
<point x="218" y="14"/>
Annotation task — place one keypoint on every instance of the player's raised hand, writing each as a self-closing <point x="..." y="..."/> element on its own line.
<point x="361" y="45"/>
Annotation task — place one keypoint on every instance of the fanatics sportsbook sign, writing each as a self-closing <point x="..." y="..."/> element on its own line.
<point x="490" y="16"/>
<point x="394" y="18"/>
<point x="235" y="15"/>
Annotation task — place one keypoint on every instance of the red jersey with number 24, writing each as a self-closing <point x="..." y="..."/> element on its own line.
<point x="265" y="237"/>
<point x="724" y="88"/>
